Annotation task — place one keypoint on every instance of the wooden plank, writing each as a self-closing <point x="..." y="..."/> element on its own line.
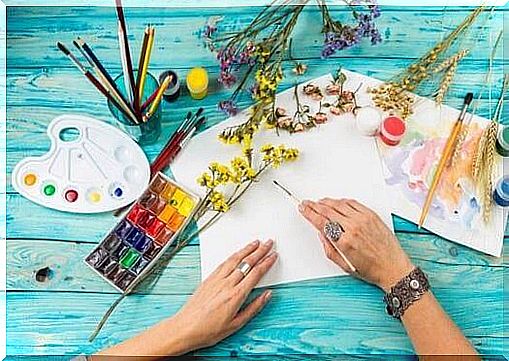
<point x="33" y="33"/>
<point x="339" y="318"/>
<point x="58" y="91"/>
<point x="92" y="227"/>
<point x="447" y="264"/>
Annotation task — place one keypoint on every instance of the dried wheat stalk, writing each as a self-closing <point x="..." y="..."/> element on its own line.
<point x="446" y="82"/>
<point x="455" y="59"/>
<point x="484" y="172"/>
<point x="484" y="160"/>
<point x="466" y="127"/>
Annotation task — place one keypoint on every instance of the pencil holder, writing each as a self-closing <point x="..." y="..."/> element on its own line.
<point x="146" y="132"/>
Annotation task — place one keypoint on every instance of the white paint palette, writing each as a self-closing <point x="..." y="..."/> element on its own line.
<point x="91" y="167"/>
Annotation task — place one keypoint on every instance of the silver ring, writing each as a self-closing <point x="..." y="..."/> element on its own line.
<point x="244" y="268"/>
<point x="333" y="231"/>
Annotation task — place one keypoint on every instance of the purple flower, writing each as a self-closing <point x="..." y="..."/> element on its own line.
<point x="375" y="37"/>
<point x="228" y="107"/>
<point x="375" y="11"/>
<point x="226" y="78"/>
<point x="345" y="36"/>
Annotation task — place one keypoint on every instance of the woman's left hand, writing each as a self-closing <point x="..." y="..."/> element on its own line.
<point x="213" y="312"/>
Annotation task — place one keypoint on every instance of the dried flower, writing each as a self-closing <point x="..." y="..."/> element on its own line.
<point x="313" y="91"/>
<point x="228" y="107"/>
<point x="338" y="36"/>
<point x="300" y="68"/>
<point x="333" y="89"/>
<point x="320" y="118"/>
<point x="394" y="96"/>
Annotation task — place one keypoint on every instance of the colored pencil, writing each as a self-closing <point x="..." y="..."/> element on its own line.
<point x="146" y="61"/>
<point x="124" y="49"/>
<point x="137" y="97"/>
<point x="444" y="160"/>
<point x="106" y="79"/>
<point x="149" y="101"/>
<point x="157" y="100"/>
<point x="152" y="97"/>
<point x="91" y="78"/>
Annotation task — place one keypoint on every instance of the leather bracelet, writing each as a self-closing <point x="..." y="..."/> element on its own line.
<point x="407" y="291"/>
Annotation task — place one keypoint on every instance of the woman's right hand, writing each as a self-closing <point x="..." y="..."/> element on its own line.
<point x="366" y="242"/>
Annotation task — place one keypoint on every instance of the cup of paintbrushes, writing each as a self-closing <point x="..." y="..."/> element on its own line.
<point x="146" y="130"/>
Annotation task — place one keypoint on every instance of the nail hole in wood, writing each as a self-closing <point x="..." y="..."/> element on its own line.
<point x="44" y="274"/>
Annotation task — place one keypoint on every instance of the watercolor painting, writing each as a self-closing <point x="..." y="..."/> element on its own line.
<point x="456" y="212"/>
<point x="411" y="167"/>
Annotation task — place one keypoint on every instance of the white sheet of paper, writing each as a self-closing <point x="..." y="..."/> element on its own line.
<point x="455" y="213"/>
<point x="335" y="162"/>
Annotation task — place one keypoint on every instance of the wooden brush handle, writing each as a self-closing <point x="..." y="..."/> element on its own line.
<point x="448" y="149"/>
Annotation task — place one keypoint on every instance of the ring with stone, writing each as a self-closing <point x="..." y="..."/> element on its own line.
<point x="333" y="231"/>
<point x="244" y="268"/>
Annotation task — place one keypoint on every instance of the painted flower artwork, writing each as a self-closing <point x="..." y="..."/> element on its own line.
<point x="411" y="166"/>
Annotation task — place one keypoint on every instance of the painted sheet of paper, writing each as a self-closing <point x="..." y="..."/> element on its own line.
<point x="335" y="162"/>
<point x="455" y="213"/>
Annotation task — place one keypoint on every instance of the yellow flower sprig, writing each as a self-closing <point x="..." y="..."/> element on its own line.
<point x="238" y="176"/>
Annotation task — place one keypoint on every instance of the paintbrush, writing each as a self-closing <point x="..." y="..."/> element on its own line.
<point x="446" y="156"/>
<point x="183" y="130"/>
<point x="107" y="81"/>
<point x="333" y="244"/>
<point x="93" y="80"/>
<point x="125" y="53"/>
<point x="170" y="150"/>
<point x="290" y="194"/>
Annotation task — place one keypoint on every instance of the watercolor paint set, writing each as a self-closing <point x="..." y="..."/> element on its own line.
<point x="126" y="255"/>
<point x="91" y="167"/>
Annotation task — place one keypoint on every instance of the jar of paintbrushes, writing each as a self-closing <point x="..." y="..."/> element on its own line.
<point x="134" y="97"/>
<point x="146" y="129"/>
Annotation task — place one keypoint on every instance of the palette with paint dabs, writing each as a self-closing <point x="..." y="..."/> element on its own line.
<point x="91" y="167"/>
<point x="126" y="255"/>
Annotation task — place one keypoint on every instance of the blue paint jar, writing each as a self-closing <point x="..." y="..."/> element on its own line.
<point x="502" y="144"/>
<point x="501" y="193"/>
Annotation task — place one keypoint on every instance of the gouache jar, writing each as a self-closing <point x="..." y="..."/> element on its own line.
<point x="197" y="82"/>
<point x="143" y="133"/>
<point x="392" y="130"/>
<point x="173" y="92"/>
<point x="501" y="193"/>
<point x="502" y="144"/>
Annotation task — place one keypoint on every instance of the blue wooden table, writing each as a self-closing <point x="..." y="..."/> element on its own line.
<point x="55" y="315"/>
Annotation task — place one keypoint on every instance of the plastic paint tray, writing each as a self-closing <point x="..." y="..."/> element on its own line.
<point x="91" y="167"/>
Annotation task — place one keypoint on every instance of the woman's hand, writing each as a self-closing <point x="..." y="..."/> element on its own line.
<point x="213" y="312"/>
<point x="367" y="242"/>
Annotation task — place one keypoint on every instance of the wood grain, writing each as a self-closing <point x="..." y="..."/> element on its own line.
<point x="447" y="265"/>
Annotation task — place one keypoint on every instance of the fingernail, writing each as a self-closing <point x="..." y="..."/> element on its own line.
<point x="268" y="295"/>
<point x="269" y="243"/>
<point x="255" y="243"/>
<point x="274" y="255"/>
<point x="301" y="207"/>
